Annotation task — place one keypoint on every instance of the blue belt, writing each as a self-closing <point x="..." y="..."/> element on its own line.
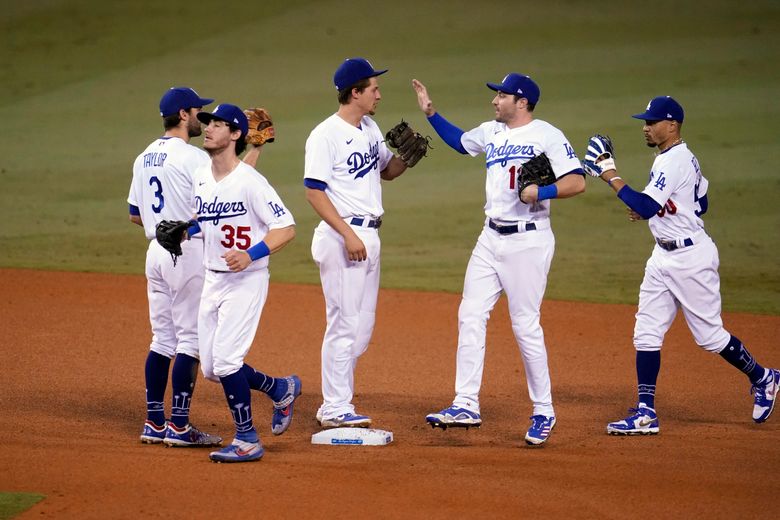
<point x="671" y="245"/>
<point x="357" y="221"/>
<point x="514" y="228"/>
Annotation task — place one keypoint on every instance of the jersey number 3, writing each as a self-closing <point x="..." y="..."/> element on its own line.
<point x="236" y="236"/>
<point x="158" y="194"/>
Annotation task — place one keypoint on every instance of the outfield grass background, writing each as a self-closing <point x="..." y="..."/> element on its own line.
<point x="80" y="81"/>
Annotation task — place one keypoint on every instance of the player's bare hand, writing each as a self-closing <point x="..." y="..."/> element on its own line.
<point x="356" y="249"/>
<point x="426" y="105"/>
<point x="237" y="260"/>
<point x="633" y="216"/>
<point x="530" y="194"/>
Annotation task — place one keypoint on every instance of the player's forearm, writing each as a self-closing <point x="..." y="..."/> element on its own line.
<point x="326" y="210"/>
<point x="570" y="185"/>
<point x="277" y="238"/>
<point x="641" y="203"/>
<point x="449" y="133"/>
<point x="393" y="169"/>
<point x="252" y="155"/>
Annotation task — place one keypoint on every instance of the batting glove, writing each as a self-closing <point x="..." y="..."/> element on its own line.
<point x="600" y="156"/>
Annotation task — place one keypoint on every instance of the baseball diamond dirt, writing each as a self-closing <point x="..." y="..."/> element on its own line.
<point x="72" y="402"/>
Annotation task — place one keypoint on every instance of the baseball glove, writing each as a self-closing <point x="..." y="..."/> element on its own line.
<point x="600" y="156"/>
<point x="411" y="146"/>
<point x="535" y="171"/>
<point x="261" y="127"/>
<point x="170" y="234"/>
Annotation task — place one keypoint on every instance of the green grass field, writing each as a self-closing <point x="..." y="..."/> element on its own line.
<point x="81" y="80"/>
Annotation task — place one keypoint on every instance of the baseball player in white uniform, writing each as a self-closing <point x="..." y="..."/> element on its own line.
<point x="345" y="159"/>
<point x="514" y="250"/>
<point x="682" y="271"/>
<point x="161" y="189"/>
<point x="242" y="221"/>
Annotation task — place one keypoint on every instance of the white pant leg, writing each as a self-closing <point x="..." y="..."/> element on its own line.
<point x="481" y="290"/>
<point x="186" y="290"/>
<point x="350" y="290"/>
<point x="691" y="276"/>
<point x="524" y="264"/>
<point x="174" y="298"/>
<point x="229" y="316"/>
<point x="657" y="307"/>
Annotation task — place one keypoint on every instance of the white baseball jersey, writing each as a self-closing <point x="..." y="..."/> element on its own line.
<point x="348" y="159"/>
<point x="506" y="149"/>
<point x="676" y="183"/>
<point x="236" y="213"/>
<point x="162" y="181"/>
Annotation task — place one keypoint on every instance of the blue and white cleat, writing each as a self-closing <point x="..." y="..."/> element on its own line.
<point x="238" y="451"/>
<point x="283" y="409"/>
<point x="642" y="421"/>
<point x="189" y="437"/>
<point x="153" y="434"/>
<point x="347" y="420"/>
<point x="455" y="417"/>
<point x="765" y="393"/>
<point x="539" y="432"/>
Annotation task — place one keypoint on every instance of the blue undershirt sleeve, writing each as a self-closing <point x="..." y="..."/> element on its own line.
<point x="642" y="203"/>
<point x="703" y="203"/>
<point x="449" y="133"/>
<point x="134" y="210"/>
<point x="315" y="184"/>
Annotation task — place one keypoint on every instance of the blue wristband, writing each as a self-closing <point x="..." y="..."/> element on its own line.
<point x="194" y="228"/>
<point x="258" y="250"/>
<point x="547" y="192"/>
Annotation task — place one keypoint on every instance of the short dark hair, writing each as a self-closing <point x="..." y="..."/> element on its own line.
<point x="171" y="121"/>
<point x="531" y="106"/>
<point x="241" y="143"/>
<point x="345" y="94"/>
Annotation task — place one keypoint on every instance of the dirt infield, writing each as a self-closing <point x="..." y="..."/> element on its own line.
<point x="72" y="405"/>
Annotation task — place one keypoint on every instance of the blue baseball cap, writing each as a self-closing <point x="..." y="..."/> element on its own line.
<point x="352" y="71"/>
<point x="518" y="85"/>
<point x="662" y="108"/>
<point x="230" y="114"/>
<point x="178" y="98"/>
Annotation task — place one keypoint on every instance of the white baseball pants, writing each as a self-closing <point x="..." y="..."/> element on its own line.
<point x="517" y="264"/>
<point x="228" y="319"/>
<point x="686" y="278"/>
<point x="174" y="297"/>
<point x="350" y="290"/>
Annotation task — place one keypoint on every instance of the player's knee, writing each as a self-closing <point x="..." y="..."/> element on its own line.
<point x="716" y="342"/>
<point x="168" y="351"/>
<point x="189" y="349"/>
<point x="472" y="312"/>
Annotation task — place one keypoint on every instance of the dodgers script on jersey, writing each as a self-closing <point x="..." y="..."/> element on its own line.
<point x="677" y="184"/>
<point x="162" y="181"/>
<point x="236" y="213"/>
<point x="349" y="159"/>
<point x="506" y="149"/>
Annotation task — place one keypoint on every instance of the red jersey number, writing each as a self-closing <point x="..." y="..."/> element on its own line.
<point x="669" y="207"/>
<point x="236" y="236"/>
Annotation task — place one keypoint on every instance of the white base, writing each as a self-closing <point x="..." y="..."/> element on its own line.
<point x="353" y="437"/>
